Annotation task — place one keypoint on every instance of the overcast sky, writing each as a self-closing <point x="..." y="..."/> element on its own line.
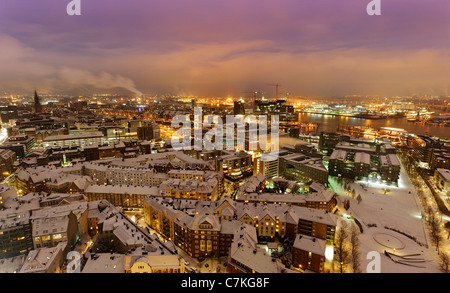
<point x="227" y="47"/>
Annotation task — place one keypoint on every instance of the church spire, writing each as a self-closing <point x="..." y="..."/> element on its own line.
<point x="37" y="104"/>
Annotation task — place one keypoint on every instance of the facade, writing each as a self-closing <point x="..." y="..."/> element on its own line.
<point x="124" y="196"/>
<point x="191" y="224"/>
<point x="149" y="264"/>
<point x="49" y="231"/>
<point x="50" y="178"/>
<point x="208" y="229"/>
<point x="278" y="107"/>
<point x="327" y="142"/>
<point x="37" y="103"/>
<point x="234" y="164"/>
<point x="270" y="169"/>
<point x="322" y="200"/>
<point x="315" y="195"/>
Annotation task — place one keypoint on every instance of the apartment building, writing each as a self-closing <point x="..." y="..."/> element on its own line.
<point x="48" y="231"/>
<point x="308" y="253"/>
<point x="15" y="233"/>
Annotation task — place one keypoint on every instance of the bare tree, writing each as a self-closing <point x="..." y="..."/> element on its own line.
<point x="281" y="186"/>
<point x="346" y="204"/>
<point x="435" y="227"/>
<point x="444" y="262"/>
<point x="354" y="247"/>
<point x="341" y="249"/>
<point x="436" y="232"/>
<point x="296" y="188"/>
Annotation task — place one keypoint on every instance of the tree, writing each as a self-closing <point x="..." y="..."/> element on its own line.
<point x="435" y="227"/>
<point x="341" y="249"/>
<point x="354" y="246"/>
<point x="296" y="188"/>
<point x="281" y="186"/>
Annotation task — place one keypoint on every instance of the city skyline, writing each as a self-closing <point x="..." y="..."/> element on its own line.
<point x="225" y="48"/>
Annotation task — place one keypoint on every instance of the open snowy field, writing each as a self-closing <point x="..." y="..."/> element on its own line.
<point x="398" y="209"/>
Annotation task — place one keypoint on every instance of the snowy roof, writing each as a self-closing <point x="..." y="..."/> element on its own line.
<point x="445" y="173"/>
<point x="12" y="218"/>
<point x="41" y="259"/>
<point x="283" y="211"/>
<point x="252" y="183"/>
<point x="340" y="155"/>
<point x="322" y="196"/>
<point x="52" y="224"/>
<point x="253" y="258"/>
<point x="78" y="208"/>
<point x="389" y="160"/>
<point x="125" y="229"/>
<point x="362" y="158"/>
<point x="393" y="159"/>
<point x="83" y="135"/>
<point x="154" y="261"/>
<point x="12" y="264"/>
<point x="189" y="185"/>
<point x="122" y="189"/>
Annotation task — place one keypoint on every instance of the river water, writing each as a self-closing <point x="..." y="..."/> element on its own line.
<point x="329" y="123"/>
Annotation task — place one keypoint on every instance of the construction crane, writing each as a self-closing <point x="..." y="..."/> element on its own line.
<point x="276" y="85"/>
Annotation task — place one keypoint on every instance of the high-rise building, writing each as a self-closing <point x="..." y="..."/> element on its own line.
<point x="7" y="159"/>
<point x="15" y="233"/>
<point x="148" y="131"/>
<point x="239" y="107"/>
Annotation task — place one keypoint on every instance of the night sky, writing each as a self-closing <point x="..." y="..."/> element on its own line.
<point x="226" y="47"/>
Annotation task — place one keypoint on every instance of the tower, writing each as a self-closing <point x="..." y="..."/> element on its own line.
<point x="37" y="104"/>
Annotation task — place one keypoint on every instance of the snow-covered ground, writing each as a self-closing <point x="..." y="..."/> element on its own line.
<point x="398" y="209"/>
